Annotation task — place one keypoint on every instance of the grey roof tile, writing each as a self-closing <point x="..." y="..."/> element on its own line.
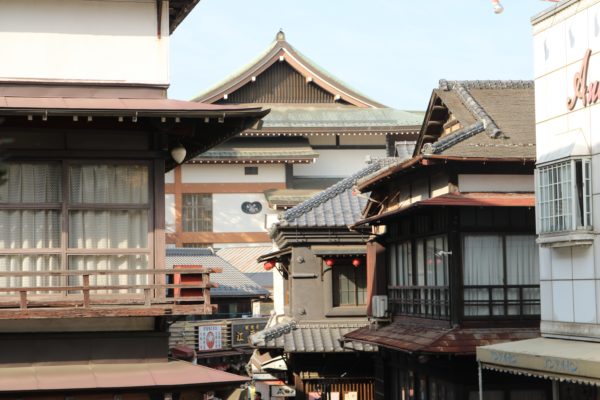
<point x="232" y="283"/>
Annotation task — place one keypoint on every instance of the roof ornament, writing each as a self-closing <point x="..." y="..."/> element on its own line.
<point x="280" y="37"/>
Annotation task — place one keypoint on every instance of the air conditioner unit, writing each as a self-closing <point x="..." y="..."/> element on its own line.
<point x="379" y="306"/>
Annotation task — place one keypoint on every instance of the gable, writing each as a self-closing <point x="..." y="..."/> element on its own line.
<point x="280" y="83"/>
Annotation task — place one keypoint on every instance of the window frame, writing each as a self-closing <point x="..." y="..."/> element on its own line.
<point x="335" y="287"/>
<point x="195" y="221"/>
<point x="579" y="217"/>
<point x="64" y="251"/>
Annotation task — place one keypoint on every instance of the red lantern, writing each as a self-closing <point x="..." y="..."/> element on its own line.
<point x="357" y="262"/>
<point x="269" y="265"/>
<point x="329" y="262"/>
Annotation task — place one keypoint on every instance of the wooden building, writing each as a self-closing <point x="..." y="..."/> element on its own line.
<point x="455" y="263"/>
<point x="318" y="132"/>
<point x="84" y="292"/>
<point x="322" y="272"/>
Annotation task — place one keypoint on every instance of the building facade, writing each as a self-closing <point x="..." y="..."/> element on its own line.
<point x="567" y="70"/>
<point x="457" y="264"/>
<point x="87" y="133"/>
<point x="318" y="132"/>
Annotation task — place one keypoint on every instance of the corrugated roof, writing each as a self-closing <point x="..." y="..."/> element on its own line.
<point x="410" y="337"/>
<point x="310" y="337"/>
<point x="232" y="283"/>
<point x="244" y="258"/>
<point x="293" y="148"/>
<point x="335" y="206"/>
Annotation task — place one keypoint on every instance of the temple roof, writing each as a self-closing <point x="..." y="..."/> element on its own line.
<point x="277" y="61"/>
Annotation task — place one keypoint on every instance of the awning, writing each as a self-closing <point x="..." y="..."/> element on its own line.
<point x="564" y="360"/>
<point x="458" y="199"/>
<point x="274" y="255"/>
<point x="107" y="376"/>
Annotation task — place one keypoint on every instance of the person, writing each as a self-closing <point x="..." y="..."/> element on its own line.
<point x="258" y="396"/>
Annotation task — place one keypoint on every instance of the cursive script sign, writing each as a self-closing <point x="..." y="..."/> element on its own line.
<point x="587" y="93"/>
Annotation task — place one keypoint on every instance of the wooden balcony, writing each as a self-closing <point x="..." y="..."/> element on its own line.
<point x="105" y="293"/>
<point x="421" y="301"/>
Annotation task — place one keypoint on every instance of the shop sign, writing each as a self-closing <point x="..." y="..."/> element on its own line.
<point x="241" y="331"/>
<point x="209" y="337"/>
<point x="282" y="391"/>
<point x="587" y="93"/>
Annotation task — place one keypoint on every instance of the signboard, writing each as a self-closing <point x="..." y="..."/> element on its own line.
<point x="282" y="391"/>
<point x="241" y="331"/>
<point x="351" y="396"/>
<point x="209" y="337"/>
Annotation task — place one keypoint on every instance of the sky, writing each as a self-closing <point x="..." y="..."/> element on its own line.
<point x="393" y="51"/>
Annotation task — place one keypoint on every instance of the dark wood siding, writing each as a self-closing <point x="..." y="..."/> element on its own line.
<point x="280" y="83"/>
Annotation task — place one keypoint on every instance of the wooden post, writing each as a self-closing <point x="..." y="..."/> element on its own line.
<point x="147" y="296"/>
<point x="23" y="298"/>
<point x="86" y="291"/>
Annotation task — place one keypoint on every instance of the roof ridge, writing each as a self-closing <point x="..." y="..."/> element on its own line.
<point x="331" y="192"/>
<point x="453" y="138"/>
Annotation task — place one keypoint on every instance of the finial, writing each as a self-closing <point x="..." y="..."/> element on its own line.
<point x="280" y="35"/>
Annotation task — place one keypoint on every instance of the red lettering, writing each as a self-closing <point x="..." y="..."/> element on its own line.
<point x="580" y="86"/>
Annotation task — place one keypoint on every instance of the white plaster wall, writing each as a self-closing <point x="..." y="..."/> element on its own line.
<point x="170" y="213"/>
<point x="229" y="217"/>
<point x="336" y="163"/>
<point x="495" y="183"/>
<point x="170" y="176"/>
<point x="570" y="276"/>
<point x="84" y="40"/>
<point x="225" y="173"/>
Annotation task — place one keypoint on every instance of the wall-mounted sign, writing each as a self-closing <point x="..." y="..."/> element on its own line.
<point x="587" y="93"/>
<point x="241" y="331"/>
<point x="253" y="207"/>
<point x="282" y="391"/>
<point x="209" y="337"/>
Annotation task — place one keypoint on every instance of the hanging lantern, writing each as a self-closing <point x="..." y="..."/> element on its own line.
<point x="269" y="265"/>
<point x="357" y="262"/>
<point x="329" y="262"/>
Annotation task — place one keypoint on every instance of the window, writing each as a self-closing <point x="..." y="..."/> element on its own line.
<point x="564" y="196"/>
<point x="197" y="212"/>
<point x="349" y="284"/>
<point x="501" y="275"/>
<point x="418" y="277"/>
<point x="250" y="170"/>
<point x="104" y="209"/>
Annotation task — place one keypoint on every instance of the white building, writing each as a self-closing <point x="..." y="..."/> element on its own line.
<point x="567" y="79"/>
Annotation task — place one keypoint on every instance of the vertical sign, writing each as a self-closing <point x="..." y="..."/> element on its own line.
<point x="209" y="337"/>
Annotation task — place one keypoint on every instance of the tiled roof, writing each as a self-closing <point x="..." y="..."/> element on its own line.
<point x="232" y="283"/>
<point x="244" y="258"/>
<point x="335" y="206"/>
<point x="412" y="337"/>
<point x="309" y="337"/>
<point x="289" y="197"/>
<point x="340" y="117"/>
<point x="497" y="119"/>
<point x="293" y="148"/>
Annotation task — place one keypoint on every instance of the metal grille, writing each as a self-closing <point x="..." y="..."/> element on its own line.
<point x="197" y="212"/>
<point x="555" y="197"/>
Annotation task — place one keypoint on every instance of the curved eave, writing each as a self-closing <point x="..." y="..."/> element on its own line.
<point x="297" y="62"/>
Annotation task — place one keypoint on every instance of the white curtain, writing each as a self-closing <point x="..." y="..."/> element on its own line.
<point x="109" y="184"/>
<point x="29" y="263"/>
<point x="110" y="263"/>
<point x="522" y="268"/>
<point x="108" y="229"/>
<point x="31" y="183"/>
<point x="483" y="265"/>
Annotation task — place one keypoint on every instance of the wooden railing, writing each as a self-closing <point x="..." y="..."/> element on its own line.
<point x="99" y="293"/>
<point x="503" y="301"/>
<point x="420" y="301"/>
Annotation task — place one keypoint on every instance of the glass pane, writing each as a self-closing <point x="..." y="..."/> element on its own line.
<point x="29" y="229"/>
<point x="109" y="184"/>
<point x="197" y="212"/>
<point x="108" y="229"/>
<point x="483" y="260"/>
<point x="522" y="263"/>
<point x="110" y="263"/>
<point x="29" y="263"/>
<point x="31" y="183"/>
<point x="430" y="261"/>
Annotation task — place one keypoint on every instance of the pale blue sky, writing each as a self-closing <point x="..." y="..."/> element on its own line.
<point x="394" y="51"/>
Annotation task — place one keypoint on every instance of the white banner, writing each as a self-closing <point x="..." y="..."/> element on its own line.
<point x="209" y="337"/>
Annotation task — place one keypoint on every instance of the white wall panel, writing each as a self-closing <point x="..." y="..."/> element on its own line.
<point x="229" y="217"/>
<point x="336" y="163"/>
<point x="92" y="40"/>
<point x="224" y="173"/>
<point x="562" y="301"/>
<point x="495" y="183"/>
<point x="170" y="213"/>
